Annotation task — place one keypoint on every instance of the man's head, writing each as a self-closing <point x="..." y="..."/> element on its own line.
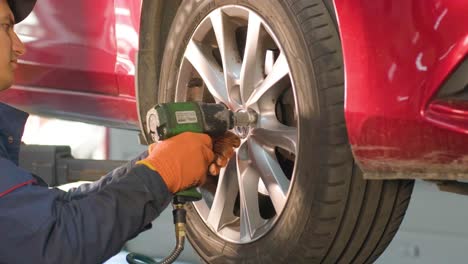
<point x="11" y="47"/>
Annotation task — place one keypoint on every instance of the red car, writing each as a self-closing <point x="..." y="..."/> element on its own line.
<point x="345" y="91"/>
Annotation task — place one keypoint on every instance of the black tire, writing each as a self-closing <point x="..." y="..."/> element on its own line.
<point x="332" y="215"/>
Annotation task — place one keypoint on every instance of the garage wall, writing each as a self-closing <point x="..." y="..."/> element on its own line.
<point x="434" y="231"/>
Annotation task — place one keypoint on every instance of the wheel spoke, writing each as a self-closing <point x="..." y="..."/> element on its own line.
<point x="222" y="209"/>
<point x="271" y="174"/>
<point x="225" y="35"/>
<point x="273" y="133"/>
<point x="252" y="65"/>
<point x="279" y="71"/>
<point x="202" y="60"/>
<point x="248" y="187"/>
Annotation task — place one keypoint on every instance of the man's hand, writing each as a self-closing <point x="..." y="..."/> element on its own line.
<point x="182" y="161"/>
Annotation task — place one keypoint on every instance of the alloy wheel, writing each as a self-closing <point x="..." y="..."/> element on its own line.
<point x="234" y="58"/>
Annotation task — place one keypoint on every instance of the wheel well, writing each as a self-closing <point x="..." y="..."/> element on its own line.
<point x="155" y="23"/>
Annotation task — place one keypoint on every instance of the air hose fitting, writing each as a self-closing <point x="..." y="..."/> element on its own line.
<point x="180" y="219"/>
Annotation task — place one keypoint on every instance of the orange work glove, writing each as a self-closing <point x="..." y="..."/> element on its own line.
<point x="223" y="148"/>
<point x="182" y="161"/>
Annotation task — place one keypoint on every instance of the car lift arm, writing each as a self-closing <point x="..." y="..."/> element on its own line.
<point x="56" y="166"/>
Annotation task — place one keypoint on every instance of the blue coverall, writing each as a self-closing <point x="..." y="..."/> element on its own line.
<point x="86" y="225"/>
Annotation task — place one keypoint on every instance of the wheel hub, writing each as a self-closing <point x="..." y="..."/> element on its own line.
<point x="246" y="120"/>
<point x="242" y="131"/>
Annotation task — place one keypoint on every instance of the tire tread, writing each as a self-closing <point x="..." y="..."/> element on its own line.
<point x="381" y="205"/>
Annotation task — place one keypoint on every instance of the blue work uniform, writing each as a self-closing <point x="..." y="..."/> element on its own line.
<point x="88" y="224"/>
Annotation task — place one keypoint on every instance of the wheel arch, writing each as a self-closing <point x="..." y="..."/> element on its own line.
<point x="154" y="14"/>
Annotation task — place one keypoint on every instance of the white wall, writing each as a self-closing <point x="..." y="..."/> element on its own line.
<point x="434" y="230"/>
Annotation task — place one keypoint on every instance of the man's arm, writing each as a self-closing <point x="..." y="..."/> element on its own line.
<point x="88" y="188"/>
<point x="41" y="225"/>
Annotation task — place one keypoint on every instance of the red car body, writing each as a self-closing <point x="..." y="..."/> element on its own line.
<point x="80" y="61"/>
<point x="398" y="55"/>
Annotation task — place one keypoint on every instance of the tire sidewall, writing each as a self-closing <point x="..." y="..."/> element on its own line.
<point x="282" y="239"/>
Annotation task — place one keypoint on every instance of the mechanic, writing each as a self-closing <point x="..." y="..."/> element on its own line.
<point x="91" y="223"/>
